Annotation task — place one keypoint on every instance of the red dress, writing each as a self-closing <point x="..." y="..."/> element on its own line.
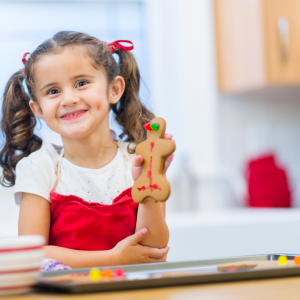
<point x="80" y="225"/>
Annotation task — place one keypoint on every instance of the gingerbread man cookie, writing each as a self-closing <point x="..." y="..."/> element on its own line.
<point x="152" y="184"/>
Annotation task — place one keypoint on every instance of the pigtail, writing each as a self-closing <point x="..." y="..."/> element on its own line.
<point x="130" y="112"/>
<point x="17" y="124"/>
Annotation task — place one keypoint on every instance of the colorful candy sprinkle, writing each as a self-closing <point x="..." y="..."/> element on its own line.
<point x="107" y="273"/>
<point x="282" y="260"/>
<point x="297" y="260"/>
<point x="154" y="126"/>
<point x="95" y="274"/>
<point x="147" y="126"/>
<point x="119" y="272"/>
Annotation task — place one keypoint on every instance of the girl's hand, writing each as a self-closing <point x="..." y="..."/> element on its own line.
<point x="138" y="161"/>
<point x="129" y="251"/>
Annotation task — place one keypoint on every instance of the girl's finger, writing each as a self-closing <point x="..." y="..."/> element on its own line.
<point x="157" y="253"/>
<point x="138" y="236"/>
<point x="138" y="161"/>
<point x="168" y="136"/>
<point x="156" y="260"/>
<point x="137" y="167"/>
<point x="167" y="163"/>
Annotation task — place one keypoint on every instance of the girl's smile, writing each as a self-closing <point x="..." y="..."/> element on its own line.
<point x="73" y="115"/>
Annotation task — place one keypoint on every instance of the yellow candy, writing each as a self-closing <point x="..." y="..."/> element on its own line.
<point x="95" y="274"/>
<point x="282" y="260"/>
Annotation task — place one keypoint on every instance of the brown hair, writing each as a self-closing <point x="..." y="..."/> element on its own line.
<point x="18" y="121"/>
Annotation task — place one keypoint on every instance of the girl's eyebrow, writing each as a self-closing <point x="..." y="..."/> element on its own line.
<point x="82" y="75"/>
<point x="77" y="76"/>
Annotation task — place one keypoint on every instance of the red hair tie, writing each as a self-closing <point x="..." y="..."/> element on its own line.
<point x="116" y="44"/>
<point x="24" y="60"/>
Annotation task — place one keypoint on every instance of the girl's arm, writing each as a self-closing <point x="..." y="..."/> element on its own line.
<point x="35" y="218"/>
<point x="152" y="215"/>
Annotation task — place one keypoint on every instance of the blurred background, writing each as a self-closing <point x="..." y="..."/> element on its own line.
<point x="225" y="75"/>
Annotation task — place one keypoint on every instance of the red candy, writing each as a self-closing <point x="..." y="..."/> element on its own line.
<point x="148" y="126"/>
<point x="119" y="272"/>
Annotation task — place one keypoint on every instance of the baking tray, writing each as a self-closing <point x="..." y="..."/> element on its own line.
<point x="168" y="274"/>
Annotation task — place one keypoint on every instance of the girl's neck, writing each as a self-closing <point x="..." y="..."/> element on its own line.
<point x="93" y="152"/>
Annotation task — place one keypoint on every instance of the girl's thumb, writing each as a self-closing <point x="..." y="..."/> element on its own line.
<point x="138" y="236"/>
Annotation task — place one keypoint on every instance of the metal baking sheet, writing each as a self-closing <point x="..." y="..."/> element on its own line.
<point x="162" y="274"/>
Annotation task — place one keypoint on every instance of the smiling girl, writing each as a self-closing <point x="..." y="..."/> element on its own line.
<point x="79" y="197"/>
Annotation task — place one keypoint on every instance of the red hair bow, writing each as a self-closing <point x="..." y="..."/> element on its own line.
<point x="24" y="60"/>
<point x="116" y="44"/>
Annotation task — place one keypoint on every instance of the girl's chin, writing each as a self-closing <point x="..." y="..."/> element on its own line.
<point x="75" y="134"/>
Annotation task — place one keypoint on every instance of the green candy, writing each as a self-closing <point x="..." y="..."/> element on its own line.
<point x="154" y="126"/>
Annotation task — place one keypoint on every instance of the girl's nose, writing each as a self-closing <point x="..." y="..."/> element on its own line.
<point x="70" y="98"/>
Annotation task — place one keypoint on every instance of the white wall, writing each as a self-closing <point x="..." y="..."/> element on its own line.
<point x="9" y="213"/>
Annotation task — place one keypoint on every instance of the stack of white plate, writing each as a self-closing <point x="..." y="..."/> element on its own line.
<point x="20" y="260"/>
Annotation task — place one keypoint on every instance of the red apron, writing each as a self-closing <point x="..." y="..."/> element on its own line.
<point x="80" y="225"/>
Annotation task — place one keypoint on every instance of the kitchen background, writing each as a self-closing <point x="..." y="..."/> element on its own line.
<point x="225" y="75"/>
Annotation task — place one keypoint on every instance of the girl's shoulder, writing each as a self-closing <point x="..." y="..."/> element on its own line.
<point x="36" y="173"/>
<point x="46" y="156"/>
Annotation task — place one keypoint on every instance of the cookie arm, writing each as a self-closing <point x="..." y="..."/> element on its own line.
<point x="169" y="147"/>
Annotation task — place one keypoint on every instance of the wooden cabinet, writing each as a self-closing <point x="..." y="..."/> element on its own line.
<point x="258" y="43"/>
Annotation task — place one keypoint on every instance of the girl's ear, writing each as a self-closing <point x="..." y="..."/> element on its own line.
<point x="116" y="89"/>
<point x="36" y="109"/>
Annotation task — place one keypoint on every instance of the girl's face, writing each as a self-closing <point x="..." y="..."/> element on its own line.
<point x="73" y="96"/>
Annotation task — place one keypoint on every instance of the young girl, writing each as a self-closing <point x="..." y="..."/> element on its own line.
<point x="79" y="197"/>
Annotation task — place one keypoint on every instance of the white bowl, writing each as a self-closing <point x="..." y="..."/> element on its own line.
<point x="23" y="265"/>
<point x="19" y="279"/>
<point x="19" y="257"/>
<point x="21" y="242"/>
<point x="20" y="260"/>
<point x="13" y="284"/>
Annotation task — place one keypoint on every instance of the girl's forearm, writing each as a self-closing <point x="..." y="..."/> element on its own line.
<point x="81" y="259"/>
<point x="151" y="216"/>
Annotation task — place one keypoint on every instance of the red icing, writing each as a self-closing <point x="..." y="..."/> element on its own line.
<point x="151" y="186"/>
<point x="155" y="186"/>
<point x="151" y="146"/>
<point x="147" y="126"/>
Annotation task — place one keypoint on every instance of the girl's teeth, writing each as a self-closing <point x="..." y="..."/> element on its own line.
<point x="74" y="114"/>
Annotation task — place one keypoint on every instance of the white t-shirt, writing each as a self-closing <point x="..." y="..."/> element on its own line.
<point x="36" y="174"/>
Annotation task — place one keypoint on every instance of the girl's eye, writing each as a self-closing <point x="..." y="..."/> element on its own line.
<point x="53" y="92"/>
<point x="81" y="83"/>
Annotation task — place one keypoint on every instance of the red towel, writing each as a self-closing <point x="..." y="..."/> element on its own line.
<point x="267" y="183"/>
